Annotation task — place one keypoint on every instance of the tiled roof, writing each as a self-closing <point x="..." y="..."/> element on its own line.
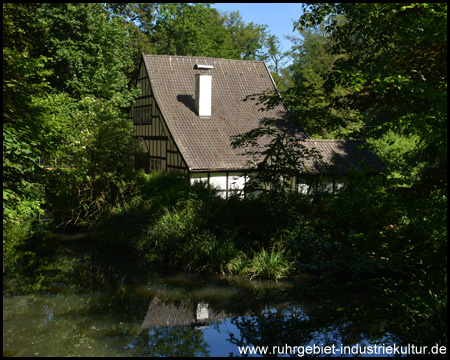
<point x="339" y="156"/>
<point x="205" y="142"/>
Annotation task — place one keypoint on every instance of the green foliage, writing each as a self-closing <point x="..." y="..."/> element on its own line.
<point x="207" y="253"/>
<point x="89" y="50"/>
<point x="23" y="77"/>
<point x="125" y="223"/>
<point x="397" y="153"/>
<point x="193" y="30"/>
<point x="246" y="39"/>
<point x="390" y="69"/>
<point x="182" y="238"/>
<point x="13" y="236"/>
<point x="391" y="243"/>
<point x="171" y="223"/>
<point x="65" y="84"/>
<point x="22" y="196"/>
<point x="182" y="29"/>
<point x="395" y="60"/>
<point x="172" y="228"/>
<point x="275" y="56"/>
<point x="99" y="144"/>
<point x="67" y="76"/>
<point x="303" y="90"/>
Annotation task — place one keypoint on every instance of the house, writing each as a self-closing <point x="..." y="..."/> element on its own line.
<point x="189" y="109"/>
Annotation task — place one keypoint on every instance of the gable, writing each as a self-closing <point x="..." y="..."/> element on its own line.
<point x="151" y="129"/>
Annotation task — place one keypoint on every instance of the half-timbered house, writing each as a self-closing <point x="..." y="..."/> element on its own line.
<point x="189" y="109"/>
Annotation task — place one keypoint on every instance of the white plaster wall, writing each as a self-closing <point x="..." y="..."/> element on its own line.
<point x="326" y="186"/>
<point x="303" y="189"/>
<point x="218" y="180"/>
<point x="198" y="178"/>
<point x="236" y="181"/>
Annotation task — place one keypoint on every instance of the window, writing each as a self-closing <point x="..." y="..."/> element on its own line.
<point x="141" y="161"/>
<point x="155" y="164"/>
<point x="142" y="115"/>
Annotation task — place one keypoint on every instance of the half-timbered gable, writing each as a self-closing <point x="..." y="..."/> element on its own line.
<point x="160" y="150"/>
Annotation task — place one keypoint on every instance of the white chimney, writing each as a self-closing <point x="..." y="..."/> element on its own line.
<point x="203" y="91"/>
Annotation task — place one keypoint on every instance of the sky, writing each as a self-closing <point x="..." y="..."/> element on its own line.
<point x="278" y="16"/>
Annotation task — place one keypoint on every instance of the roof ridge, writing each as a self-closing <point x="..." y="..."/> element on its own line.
<point x="203" y="57"/>
<point x="335" y="140"/>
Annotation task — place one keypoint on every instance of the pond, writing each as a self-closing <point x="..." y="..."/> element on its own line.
<point x="178" y="314"/>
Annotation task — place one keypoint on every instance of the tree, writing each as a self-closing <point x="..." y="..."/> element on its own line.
<point x="303" y="89"/>
<point x="395" y="58"/>
<point x="87" y="48"/>
<point x="176" y="29"/>
<point x="274" y="54"/>
<point x="246" y="39"/>
<point x="136" y="17"/>
<point x="394" y="73"/>
<point x="24" y="84"/>
<point x="90" y="84"/>
<point x="199" y="30"/>
<point x="24" y="78"/>
<point x="276" y="60"/>
<point x="67" y="92"/>
<point x="192" y="29"/>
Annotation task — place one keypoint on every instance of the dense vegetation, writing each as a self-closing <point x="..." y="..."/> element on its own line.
<point x="376" y="71"/>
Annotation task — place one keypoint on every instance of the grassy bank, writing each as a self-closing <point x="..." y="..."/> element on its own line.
<point x="191" y="228"/>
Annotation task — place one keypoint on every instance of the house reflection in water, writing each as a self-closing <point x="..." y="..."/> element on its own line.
<point x="162" y="313"/>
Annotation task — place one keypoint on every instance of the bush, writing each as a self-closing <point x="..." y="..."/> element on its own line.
<point x="14" y="235"/>
<point x="20" y="223"/>
<point x="170" y="231"/>
<point x="126" y="224"/>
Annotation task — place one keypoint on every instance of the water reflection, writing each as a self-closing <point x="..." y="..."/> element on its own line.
<point x="161" y="313"/>
<point x="178" y="315"/>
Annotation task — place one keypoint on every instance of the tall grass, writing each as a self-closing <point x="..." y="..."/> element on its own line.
<point x="273" y="264"/>
<point x="207" y="253"/>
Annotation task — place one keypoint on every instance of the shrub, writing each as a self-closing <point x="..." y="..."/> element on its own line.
<point x="167" y="221"/>
<point x="20" y="223"/>
<point x="13" y="236"/>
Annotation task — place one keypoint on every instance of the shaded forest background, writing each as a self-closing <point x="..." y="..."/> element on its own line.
<point x="371" y="71"/>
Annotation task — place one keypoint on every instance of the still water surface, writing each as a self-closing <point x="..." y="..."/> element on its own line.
<point x="176" y="315"/>
<point x="93" y="306"/>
